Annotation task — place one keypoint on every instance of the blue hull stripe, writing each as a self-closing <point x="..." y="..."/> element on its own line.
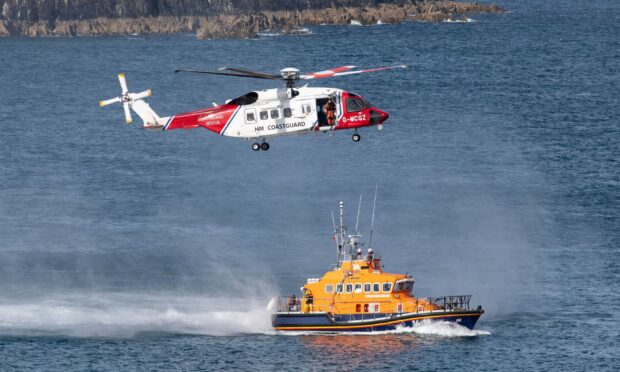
<point x="321" y="322"/>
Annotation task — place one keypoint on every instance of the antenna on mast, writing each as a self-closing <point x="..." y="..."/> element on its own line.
<point x="336" y="239"/>
<point x="372" y="223"/>
<point x="342" y="232"/>
<point x="357" y="222"/>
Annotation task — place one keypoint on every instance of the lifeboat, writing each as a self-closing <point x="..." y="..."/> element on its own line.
<point x="357" y="295"/>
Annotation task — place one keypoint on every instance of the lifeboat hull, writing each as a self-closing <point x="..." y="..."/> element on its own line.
<point x="324" y="322"/>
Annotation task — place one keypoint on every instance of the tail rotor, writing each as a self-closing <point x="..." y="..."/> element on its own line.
<point x="126" y="98"/>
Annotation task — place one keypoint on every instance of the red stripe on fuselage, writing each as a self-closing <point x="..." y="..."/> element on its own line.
<point x="212" y="118"/>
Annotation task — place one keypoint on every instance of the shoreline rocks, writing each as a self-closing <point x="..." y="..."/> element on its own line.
<point x="247" y="25"/>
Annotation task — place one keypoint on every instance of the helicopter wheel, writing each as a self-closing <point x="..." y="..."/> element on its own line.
<point x="264" y="146"/>
<point x="356" y="137"/>
<point x="256" y="146"/>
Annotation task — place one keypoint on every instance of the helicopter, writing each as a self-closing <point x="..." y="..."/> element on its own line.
<point x="259" y="115"/>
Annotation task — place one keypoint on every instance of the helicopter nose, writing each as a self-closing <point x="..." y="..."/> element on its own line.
<point x="384" y="116"/>
<point x="377" y="116"/>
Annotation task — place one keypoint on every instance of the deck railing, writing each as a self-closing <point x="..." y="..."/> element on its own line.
<point x="451" y="302"/>
<point x="445" y="303"/>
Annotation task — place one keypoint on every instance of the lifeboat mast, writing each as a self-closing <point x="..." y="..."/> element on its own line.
<point x="346" y="245"/>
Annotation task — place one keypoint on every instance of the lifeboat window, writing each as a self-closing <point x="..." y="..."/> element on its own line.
<point x="246" y="99"/>
<point x="275" y="113"/>
<point x="367" y="287"/>
<point x="387" y="287"/>
<point x="349" y="288"/>
<point x="376" y="287"/>
<point x="329" y="288"/>
<point x="339" y="288"/>
<point x="358" y="288"/>
<point x="354" y="105"/>
<point x="264" y="115"/>
<point x="287" y="112"/>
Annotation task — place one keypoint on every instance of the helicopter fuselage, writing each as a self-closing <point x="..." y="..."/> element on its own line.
<point x="282" y="111"/>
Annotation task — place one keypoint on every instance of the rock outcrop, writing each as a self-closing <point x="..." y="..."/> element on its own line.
<point x="210" y="19"/>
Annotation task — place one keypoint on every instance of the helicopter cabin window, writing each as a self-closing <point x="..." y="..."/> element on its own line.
<point x="275" y="113"/>
<point x="250" y="116"/>
<point x="354" y="105"/>
<point x="329" y="288"/>
<point x="358" y="288"/>
<point x="264" y="115"/>
<point x="306" y="109"/>
<point x="367" y="287"/>
<point x="287" y="112"/>
<point x="376" y="287"/>
<point x="349" y="288"/>
<point x="246" y="99"/>
<point x="339" y="288"/>
<point x="387" y="287"/>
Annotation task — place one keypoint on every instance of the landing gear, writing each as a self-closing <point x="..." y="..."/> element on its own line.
<point x="356" y="137"/>
<point x="260" y="146"/>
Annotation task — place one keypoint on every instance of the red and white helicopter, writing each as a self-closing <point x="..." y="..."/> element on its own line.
<point x="259" y="115"/>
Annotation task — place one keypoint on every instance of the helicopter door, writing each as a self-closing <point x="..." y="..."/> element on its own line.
<point x="326" y="116"/>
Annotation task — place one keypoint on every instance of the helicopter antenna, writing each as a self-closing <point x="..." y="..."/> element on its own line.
<point x="357" y="222"/>
<point x="372" y="223"/>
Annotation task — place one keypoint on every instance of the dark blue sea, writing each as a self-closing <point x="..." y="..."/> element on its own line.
<point x="498" y="175"/>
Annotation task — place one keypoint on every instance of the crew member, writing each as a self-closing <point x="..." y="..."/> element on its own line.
<point x="371" y="255"/>
<point x="292" y="303"/>
<point x="309" y="299"/>
<point x="358" y="253"/>
<point x="330" y="111"/>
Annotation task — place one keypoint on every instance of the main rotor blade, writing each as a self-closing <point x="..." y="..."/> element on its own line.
<point x="121" y="79"/>
<point x="330" y="72"/>
<point x="314" y="76"/>
<point x="222" y="73"/>
<point x="248" y="72"/>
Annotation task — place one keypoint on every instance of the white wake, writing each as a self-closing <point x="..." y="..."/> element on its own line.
<point x="127" y="315"/>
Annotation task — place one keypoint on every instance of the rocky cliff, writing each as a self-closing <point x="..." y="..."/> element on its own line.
<point x="211" y="18"/>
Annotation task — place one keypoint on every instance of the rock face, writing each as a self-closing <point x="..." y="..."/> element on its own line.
<point x="212" y="18"/>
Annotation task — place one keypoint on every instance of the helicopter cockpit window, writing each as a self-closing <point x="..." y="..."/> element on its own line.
<point x="354" y="105"/>
<point x="287" y="112"/>
<point x="264" y="115"/>
<point x="246" y="99"/>
<point x="275" y="114"/>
